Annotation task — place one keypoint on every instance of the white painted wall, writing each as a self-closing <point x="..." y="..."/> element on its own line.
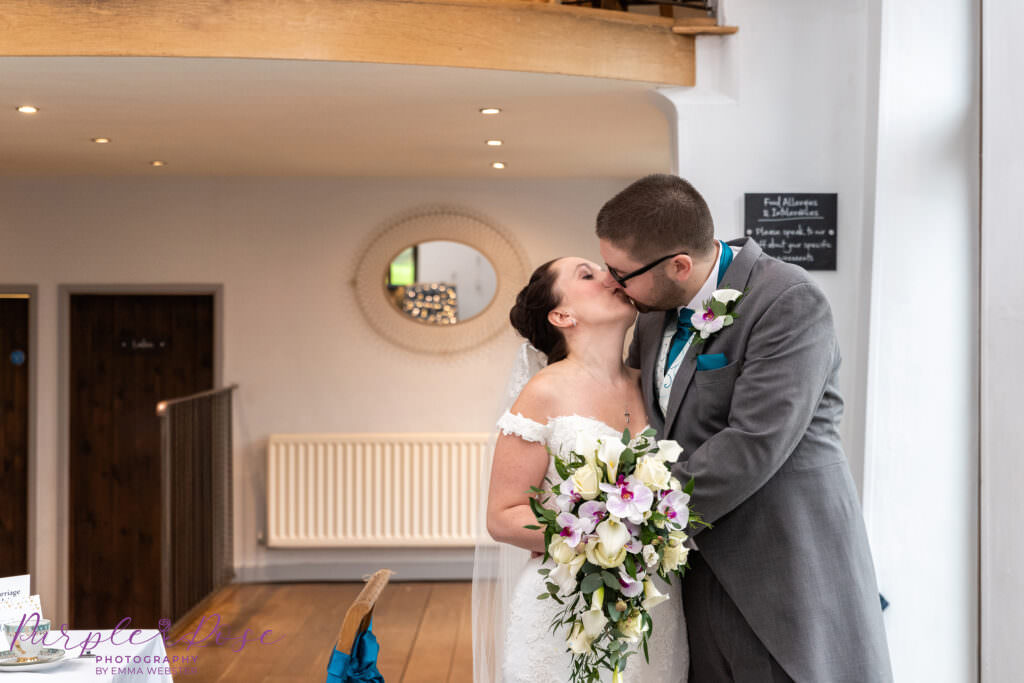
<point x="921" y="474"/>
<point x="1002" y="329"/>
<point x="782" y="106"/>
<point x="294" y="339"/>
<point x="793" y="103"/>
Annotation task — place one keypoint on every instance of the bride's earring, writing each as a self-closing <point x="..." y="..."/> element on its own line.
<point x="574" y="322"/>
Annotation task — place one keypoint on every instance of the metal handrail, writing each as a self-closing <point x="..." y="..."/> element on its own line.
<point x="162" y="406"/>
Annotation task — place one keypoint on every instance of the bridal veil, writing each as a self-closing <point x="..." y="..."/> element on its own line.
<point x="496" y="566"/>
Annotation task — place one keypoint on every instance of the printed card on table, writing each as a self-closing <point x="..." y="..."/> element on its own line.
<point x="13" y="609"/>
<point x="14" y="596"/>
<point x="15" y="586"/>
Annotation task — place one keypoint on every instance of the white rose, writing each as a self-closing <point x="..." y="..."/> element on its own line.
<point x="565" y="574"/>
<point x="726" y="296"/>
<point x="560" y="551"/>
<point x="674" y="484"/>
<point x="677" y="537"/>
<point x="674" y="557"/>
<point x="652" y="473"/>
<point x="669" y="450"/>
<point x="587" y="446"/>
<point x="597" y="554"/>
<point x="632" y="627"/>
<point x="586" y="481"/>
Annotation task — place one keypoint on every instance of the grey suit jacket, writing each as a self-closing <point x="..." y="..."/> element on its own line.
<point x="761" y="440"/>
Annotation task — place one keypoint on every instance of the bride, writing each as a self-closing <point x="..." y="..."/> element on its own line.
<point x="580" y="325"/>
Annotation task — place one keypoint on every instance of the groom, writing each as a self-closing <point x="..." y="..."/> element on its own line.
<point x="782" y="587"/>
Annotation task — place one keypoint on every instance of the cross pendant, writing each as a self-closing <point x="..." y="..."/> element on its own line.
<point x="627" y="415"/>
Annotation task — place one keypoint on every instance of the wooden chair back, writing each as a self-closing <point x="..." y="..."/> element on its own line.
<point x="357" y="618"/>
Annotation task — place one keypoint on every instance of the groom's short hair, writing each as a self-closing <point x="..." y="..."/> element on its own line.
<point x="657" y="215"/>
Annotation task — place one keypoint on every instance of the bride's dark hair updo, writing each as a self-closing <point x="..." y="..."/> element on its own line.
<point x="530" y="314"/>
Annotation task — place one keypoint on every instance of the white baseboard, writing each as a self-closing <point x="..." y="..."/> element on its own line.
<point x="408" y="565"/>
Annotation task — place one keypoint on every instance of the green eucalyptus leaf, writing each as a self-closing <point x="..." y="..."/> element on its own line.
<point x="626" y="463"/>
<point x="561" y="468"/>
<point x="591" y="583"/>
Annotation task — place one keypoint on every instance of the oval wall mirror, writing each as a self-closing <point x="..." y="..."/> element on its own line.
<point x="440" y="281"/>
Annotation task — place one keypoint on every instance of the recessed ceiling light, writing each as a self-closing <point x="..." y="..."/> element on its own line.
<point x="498" y="164"/>
<point x="490" y="110"/>
<point x="28" y="109"/>
<point x="101" y="141"/>
<point x="157" y="162"/>
<point x="494" y="143"/>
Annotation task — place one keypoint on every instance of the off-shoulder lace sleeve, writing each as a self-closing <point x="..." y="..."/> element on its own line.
<point x="523" y="427"/>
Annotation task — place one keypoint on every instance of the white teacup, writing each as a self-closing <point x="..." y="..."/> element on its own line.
<point x="30" y="639"/>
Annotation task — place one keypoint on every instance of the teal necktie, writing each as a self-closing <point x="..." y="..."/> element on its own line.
<point x="683" y="327"/>
<point x="682" y="335"/>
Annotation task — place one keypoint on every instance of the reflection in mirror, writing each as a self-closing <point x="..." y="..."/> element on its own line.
<point x="441" y="283"/>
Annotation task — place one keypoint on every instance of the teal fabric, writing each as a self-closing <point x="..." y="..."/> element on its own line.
<point x="361" y="665"/>
<point x="683" y="331"/>
<point x="683" y="327"/>
<point x="724" y="261"/>
<point x="711" y="361"/>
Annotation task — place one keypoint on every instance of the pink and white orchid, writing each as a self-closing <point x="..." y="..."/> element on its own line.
<point x="630" y="587"/>
<point x="594" y="510"/>
<point x="567" y="497"/>
<point x="707" y="321"/>
<point x="573" y="528"/>
<point x="628" y="499"/>
<point x="675" y="506"/>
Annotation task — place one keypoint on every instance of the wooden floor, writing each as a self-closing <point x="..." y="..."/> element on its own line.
<point x="424" y="631"/>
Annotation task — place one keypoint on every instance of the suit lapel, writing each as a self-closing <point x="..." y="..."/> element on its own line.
<point x="736" y="277"/>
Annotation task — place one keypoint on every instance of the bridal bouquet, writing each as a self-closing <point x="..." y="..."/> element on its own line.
<point x="621" y="518"/>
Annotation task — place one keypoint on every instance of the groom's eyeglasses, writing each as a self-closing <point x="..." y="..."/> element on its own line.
<point x="621" y="279"/>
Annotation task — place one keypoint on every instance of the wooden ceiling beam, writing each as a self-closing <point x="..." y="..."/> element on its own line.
<point x="513" y="35"/>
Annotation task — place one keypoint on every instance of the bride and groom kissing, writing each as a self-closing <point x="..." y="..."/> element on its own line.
<point x="734" y="356"/>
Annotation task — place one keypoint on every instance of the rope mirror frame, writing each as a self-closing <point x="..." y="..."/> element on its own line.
<point x="445" y="224"/>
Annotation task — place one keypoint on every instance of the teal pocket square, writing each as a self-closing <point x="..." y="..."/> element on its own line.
<point x="711" y="361"/>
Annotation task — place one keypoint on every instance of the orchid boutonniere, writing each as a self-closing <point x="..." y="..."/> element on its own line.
<point x="716" y="313"/>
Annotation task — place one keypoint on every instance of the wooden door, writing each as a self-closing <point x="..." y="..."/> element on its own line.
<point x="128" y="352"/>
<point x="14" y="364"/>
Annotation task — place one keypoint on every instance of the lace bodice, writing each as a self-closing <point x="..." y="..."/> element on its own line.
<point x="532" y="653"/>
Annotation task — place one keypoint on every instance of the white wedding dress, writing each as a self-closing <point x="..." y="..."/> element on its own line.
<point x="532" y="653"/>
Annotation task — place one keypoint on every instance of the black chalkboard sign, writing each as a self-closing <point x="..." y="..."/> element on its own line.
<point x="797" y="228"/>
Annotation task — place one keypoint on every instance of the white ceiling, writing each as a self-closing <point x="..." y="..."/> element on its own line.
<point x="255" y="117"/>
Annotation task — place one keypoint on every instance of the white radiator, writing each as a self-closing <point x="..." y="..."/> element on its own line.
<point x="360" y="490"/>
